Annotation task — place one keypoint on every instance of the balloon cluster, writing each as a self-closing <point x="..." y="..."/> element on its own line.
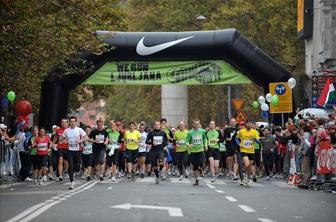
<point x="23" y="108"/>
<point x="272" y="99"/>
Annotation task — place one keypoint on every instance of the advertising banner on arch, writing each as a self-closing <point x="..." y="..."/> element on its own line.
<point x="215" y="72"/>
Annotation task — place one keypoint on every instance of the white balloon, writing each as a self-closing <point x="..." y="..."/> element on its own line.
<point x="291" y="83"/>
<point x="264" y="107"/>
<point x="261" y="99"/>
<point x="269" y="97"/>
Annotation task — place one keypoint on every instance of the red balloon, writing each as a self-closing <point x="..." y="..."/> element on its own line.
<point x="23" y="108"/>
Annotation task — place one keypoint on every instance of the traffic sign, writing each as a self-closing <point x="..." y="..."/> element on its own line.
<point x="238" y="103"/>
<point x="282" y="90"/>
<point x="241" y="117"/>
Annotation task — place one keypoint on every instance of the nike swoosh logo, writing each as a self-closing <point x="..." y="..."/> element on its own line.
<point x="143" y="50"/>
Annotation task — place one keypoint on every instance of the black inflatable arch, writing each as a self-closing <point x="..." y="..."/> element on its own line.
<point x="228" y="45"/>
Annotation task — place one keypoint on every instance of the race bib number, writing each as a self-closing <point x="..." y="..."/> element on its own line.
<point x="61" y="139"/>
<point x="114" y="144"/>
<point x="157" y="140"/>
<point x="109" y="146"/>
<point x="73" y="145"/>
<point x="142" y="148"/>
<point x="42" y="146"/>
<point x="87" y="149"/>
<point x="181" y="142"/>
<point x="100" y="138"/>
<point x="212" y="142"/>
<point x="197" y="141"/>
<point x="222" y="147"/>
<point x="131" y="140"/>
<point x="248" y="143"/>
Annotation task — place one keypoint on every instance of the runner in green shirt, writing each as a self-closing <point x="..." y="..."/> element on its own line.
<point x="214" y="137"/>
<point x="33" y="151"/>
<point x="197" y="142"/>
<point x="181" y="153"/>
<point x="112" y="149"/>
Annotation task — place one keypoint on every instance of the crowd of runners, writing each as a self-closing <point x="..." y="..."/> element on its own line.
<point x="240" y="151"/>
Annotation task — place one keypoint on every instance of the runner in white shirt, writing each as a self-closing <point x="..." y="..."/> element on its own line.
<point x="143" y="148"/>
<point x="74" y="137"/>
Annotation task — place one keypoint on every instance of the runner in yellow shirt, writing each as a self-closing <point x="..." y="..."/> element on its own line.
<point x="132" y="139"/>
<point x="246" y="138"/>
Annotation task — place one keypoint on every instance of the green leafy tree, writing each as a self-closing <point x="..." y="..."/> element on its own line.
<point x="37" y="35"/>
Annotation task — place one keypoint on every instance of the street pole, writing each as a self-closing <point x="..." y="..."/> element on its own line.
<point x="229" y="101"/>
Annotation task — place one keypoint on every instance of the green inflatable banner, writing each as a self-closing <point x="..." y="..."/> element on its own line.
<point x="168" y="72"/>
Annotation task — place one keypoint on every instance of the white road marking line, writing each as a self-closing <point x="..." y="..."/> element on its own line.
<point x="146" y="180"/>
<point x="26" y="212"/>
<point x="253" y="184"/>
<point x="220" y="191"/>
<point x="247" y="208"/>
<point x="211" y="186"/>
<point x="31" y="192"/>
<point x="283" y="184"/>
<point x="110" y="188"/>
<point x="177" y="180"/>
<point x="232" y="199"/>
<point x="172" y="211"/>
<point x="217" y="182"/>
<point x="36" y="207"/>
<point x="39" y="211"/>
<point x="266" y="220"/>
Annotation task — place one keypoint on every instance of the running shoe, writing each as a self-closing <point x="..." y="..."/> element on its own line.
<point x="241" y="183"/>
<point x="44" y="178"/>
<point x="129" y="176"/>
<point x="88" y="178"/>
<point x="196" y="182"/>
<point x="142" y="175"/>
<point x="72" y="186"/>
<point x="267" y="178"/>
<point x="235" y="177"/>
<point x="60" y="179"/>
<point x="114" y="179"/>
<point x="248" y="183"/>
<point x="213" y="179"/>
<point x="181" y="177"/>
<point x="157" y="180"/>
<point x="254" y="179"/>
<point x="101" y="178"/>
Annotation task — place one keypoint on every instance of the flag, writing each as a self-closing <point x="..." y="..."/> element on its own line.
<point x="328" y="95"/>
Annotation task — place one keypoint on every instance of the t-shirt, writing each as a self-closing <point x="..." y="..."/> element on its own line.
<point x="114" y="139"/>
<point x="99" y="137"/>
<point x="180" y="138"/>
<point x="247" y="140"/>
<point x="61" y="142"/>
<point x="131" y="139"/>
<point x="268" y="143"/>
<point x="198" y="140"/>
<point x="42" y="144"/>
<point x="73" y="136"/>
<point x="87" y="148"/>
<point x="229" y="137"/>
<point x="142" y="145"/>
<point x="158" y="139"/>
<point x="214" y="138"/>
<point x="31" y="142"/>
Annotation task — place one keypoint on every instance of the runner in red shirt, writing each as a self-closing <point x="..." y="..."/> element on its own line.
<point x="62" y="148"/>
<point x="42" y="143"/>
